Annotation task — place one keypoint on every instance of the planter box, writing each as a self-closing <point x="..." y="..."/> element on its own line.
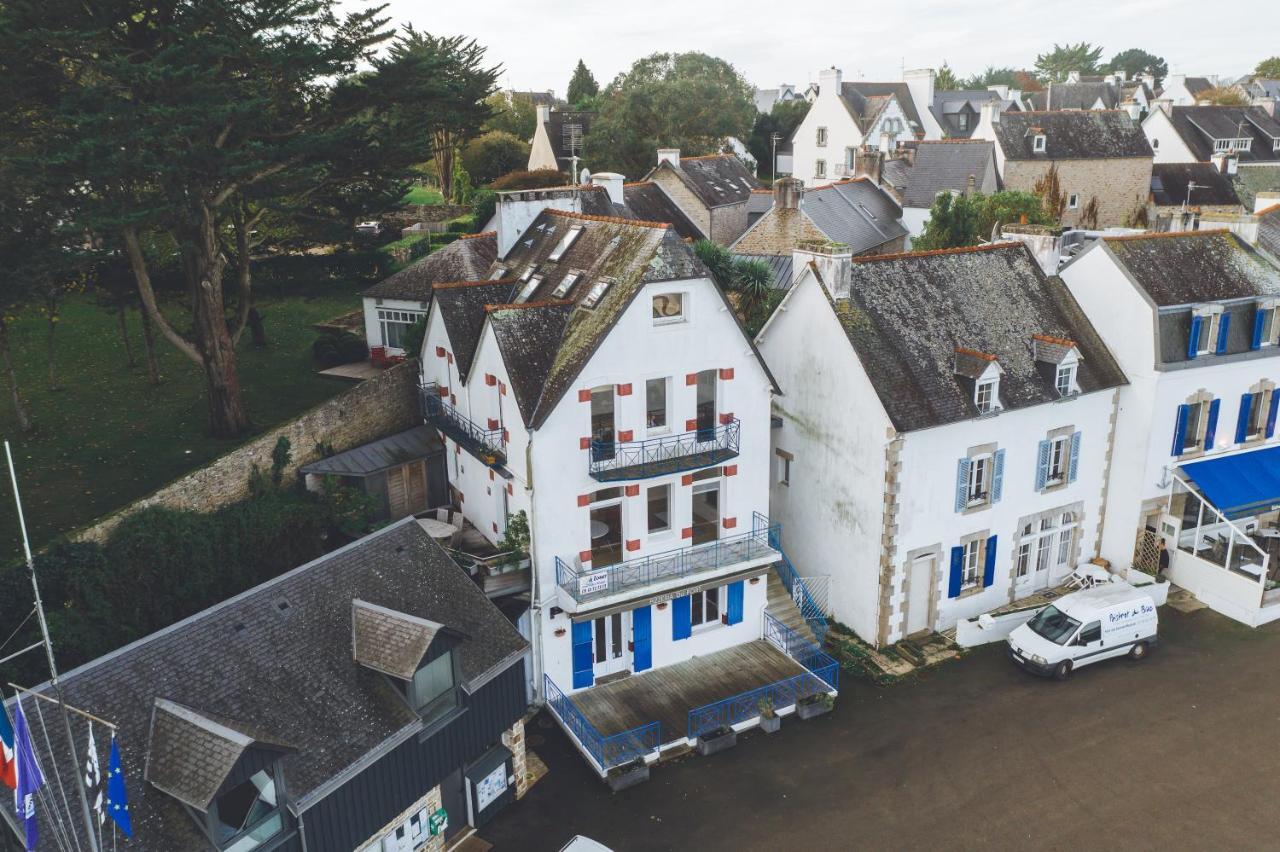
<point x="629" y="775"/>
<point x="810" y="709"/>
<point x="716" y="743"/>
<point x="770" y="724"/>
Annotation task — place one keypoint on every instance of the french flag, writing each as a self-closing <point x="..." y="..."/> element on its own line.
<point x="8" y="766"/>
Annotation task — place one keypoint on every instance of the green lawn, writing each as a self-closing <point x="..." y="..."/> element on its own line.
<point x="423" y="195"/>
<point x="108" y="437"/>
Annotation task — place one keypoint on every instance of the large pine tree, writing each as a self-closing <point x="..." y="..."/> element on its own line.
<point x="582" y="86"/>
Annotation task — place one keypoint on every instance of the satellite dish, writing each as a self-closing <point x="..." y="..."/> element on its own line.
<point x="584" y="176"/>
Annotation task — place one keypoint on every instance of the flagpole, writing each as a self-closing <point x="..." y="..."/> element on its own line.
<point x="53" y="666"/>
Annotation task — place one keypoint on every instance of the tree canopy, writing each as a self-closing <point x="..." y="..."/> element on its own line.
<point x="491" y="155"/>
<point x="1223" y="96"/>
<point x="1269" y="68"/>
<point x="582" y="87"/>
<point x="946" y="79"/>
<point x="1133" y="62"/>
<point x="783" y="119"/>
<point x="512" y="113"/>
<point x="1056" y="64"/>
<point x="689" y="101"/>
<point x="1011" y="77"/>
<point x="967" y="220"/>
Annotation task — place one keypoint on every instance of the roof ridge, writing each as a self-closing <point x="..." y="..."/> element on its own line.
<point x="617" y="220"/>
<point x="841" y="182"/>
<point x="706" y="157"/>
<point x="453" y="285"/>
<point x="1049" y="338"/>
<point x="477" y="236"/>
<point x="1128" y="238"/>
<point x="543" y="303"/>
<point x="1267" y="211"/>
<point x="953" y="142"/>
<point x="977" y="353"/>
<point x="937" y="252"/>
<point x="1061" y="111"/>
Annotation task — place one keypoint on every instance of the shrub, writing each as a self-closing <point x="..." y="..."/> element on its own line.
<point x="536" y="179"/>
<point x="330" y="349"/>
<point x="491" y="155"/>
<point x="483" y="205"/>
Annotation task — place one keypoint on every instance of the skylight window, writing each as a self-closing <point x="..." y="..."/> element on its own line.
<point x="498" y="273"/>
<point x="524" y="276"/>
<point x="528" y="289"/>
<point x="565" y="241"/>
<point x="596" y="293"/>
<point x="566" y="284"/>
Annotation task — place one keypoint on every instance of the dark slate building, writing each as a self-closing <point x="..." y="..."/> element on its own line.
<point x="371" y="699"/>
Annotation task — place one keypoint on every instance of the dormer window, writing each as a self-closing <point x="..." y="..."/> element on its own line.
<point x="1275" y="144"/>
<point x="565" y="242"/>
<point x="433" y="691"/>
<point x="986" y="395"/>
<point x="566" y="284"/>
<point x="1208" y="333"/>
<point x="1065" y="380"/>
<point x="249" y="814"/>
<point x="984" y="371"/>
<point x="1038" y="143"/>
<point x="528" y="289"/>
<point x="1266" y="330"/>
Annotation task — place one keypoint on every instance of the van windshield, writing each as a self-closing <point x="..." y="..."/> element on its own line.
<point x="1053" y="624"/>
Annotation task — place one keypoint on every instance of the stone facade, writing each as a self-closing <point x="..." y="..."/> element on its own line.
<point x="381" y="406"/>
<point x="778" y="232"/>
<point x="430" y="803"/>
<point x="1121" y="185"/>
<point x="689" y="203"/>
<point x="513" y="739"/>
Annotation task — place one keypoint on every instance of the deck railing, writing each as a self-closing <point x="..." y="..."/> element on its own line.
<point x="800" y="649"/>
<point x="607" y="752"/>
<point x="612" y="461"/>
<point x="484" y="444"/>
<point x="586" y="584"/>
<point x="795" y="585"/>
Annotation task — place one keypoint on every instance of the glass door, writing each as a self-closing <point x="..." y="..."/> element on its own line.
<point x="706" y="512"/>
<point x="706" y="410"/>
<point x="602" y="434"/>
<point x="608" y="647"/>
<point x="606" y="535"/>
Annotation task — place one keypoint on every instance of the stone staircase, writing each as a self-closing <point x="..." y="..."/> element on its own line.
<point x="783" y="608"/>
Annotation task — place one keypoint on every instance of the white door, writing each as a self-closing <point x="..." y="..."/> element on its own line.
<point x="918" y="598"/>
<point x="609" y="643"/>
<point x="1045" y="550"/>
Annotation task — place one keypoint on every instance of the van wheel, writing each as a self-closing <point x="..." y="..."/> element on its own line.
<point x="1138" y="651"/>
<point x="1063" y="671"/>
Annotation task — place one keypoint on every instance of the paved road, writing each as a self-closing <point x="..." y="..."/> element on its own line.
<point x="1179" y="751"/>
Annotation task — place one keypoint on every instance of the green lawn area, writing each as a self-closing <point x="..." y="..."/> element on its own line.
<point x="109" y="437"/>
<point x="423" y="195"/>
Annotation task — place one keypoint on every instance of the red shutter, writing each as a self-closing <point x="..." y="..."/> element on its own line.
<point x="493" y="423"/>
<point x="691" y="378"/>
<point x="726" y="418"/>
<point x="633" y="545"/>
<point x="633" y="490"/>
<point x="624" y="390"/>
<point x="584" y="499"/>
<point x="731" y="470"/>
<point x="490" y="379"/>
<point x="584" y="443"/>
<point x="439" y="351"/>
<point x="687" y="479"/>
<point x="584" y="555"/>
<point x="726" y="374"/>
<point x="584" y="395"/>
<point x="690" y="425"/>
<point x="626" y="435"/>
<point x="502" y="388"/>
<point x="687" y="532"/>
<point x="730" y="523"/>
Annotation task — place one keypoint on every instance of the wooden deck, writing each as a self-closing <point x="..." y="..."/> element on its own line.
<point x="666" y="695"/>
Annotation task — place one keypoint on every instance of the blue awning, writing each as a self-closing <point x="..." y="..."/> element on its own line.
<point x="1240" y="485"/>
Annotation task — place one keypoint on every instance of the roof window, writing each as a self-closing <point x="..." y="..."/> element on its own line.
<point x="566" y="284"/>
<point x="565" y="242"/>
<point x="596" y="293"/>
<point x="529" y="270"/>
<point x="498" y="273"/>
<point x="1039" y="142"/>
<point x="528" y="289"/>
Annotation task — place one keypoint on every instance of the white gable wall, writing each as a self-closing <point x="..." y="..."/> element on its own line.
<point x="373" y="328"/>
<point x="1164" y="139"/>
<point x="828" y="110"/>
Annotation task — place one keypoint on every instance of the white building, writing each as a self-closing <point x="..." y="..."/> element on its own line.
<point x="599" y="383"/>
<point x="1191" y="318"/>
<point x="1232" y="137"/>
<point x="945" y="433"/>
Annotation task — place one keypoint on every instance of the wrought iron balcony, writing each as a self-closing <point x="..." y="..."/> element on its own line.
<point x="484" y="444"/>
<point x="612" y="461"/>
<point x="846" y="170"/>
<point x="586" y="584"/>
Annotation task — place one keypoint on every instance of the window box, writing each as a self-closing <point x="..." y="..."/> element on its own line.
<point x="714" y="742"/>
<point x="628" y="775"/>
<point x="815" y="705"/>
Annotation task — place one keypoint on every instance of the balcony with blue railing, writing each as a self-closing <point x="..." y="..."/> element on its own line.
<point x="587" y="584"/>
<point x="613" y="461"/>
<point x="485" y="444"/>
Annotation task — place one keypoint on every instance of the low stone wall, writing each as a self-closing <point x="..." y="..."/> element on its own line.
<point x="381" y="406"/>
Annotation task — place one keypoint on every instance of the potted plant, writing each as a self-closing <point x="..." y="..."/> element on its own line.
<point x="515" y="544"/>
<point x="815" y="705"/>
<point x="717" y="740"/>
<point x="770" y="721"/>
<point x="628" y="774"/>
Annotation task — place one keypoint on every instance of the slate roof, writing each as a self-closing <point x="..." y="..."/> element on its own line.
<point x="1082" y="96"/>
<point x="854" y="212"/>
<point x="780" y="265"/>
<point x="529" y="337"/>
<point x="376" y="456"/>
<point x="867" y="100"/>
<point x="1169" y="182"/>
<point x="559" y="124"/>
<point x="277" y="660"/>
<point x="461" y="306"/>
<point x="907" y="315"/>
<point x="1269" y="231"/>
<point x="1194" y="267"/>
<point x="647" y="202"/>
<point x="463" y="259"/>
<point x="189" y="757"/>
<point x="717" y="180"/>
<point x="1197" y="86"/>
<point x="948" y="104"/>
<point x="1260" y="87"/>
<point x="942" y="166"/>
<point x="759" y="202"/>
<point x="1071" y="135"/>
<point x="389" y="641"/>
<point x="1198" y="126"/>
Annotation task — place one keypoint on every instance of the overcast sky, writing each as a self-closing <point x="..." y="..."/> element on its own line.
<point x="773" y="41"/>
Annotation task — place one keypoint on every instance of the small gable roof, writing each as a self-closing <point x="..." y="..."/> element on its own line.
<point x="1193" y="267"/>
<point x="1071" y="135"/>
<point x="389" y="641"/>
<point x="649" y="203"/>
<point x="1199" y="126"/>
<point x="867" y="100"/>
<point x="717" y="179"/>
<point x="854" y="212"/>
<point x="464" y="259"/>
<point x="947" y="166"/>
<point x="382" y="454"/>
<point x="461" y="305"/>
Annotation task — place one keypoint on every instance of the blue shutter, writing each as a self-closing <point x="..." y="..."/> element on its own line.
<point x="642" y="638"/>
<point x="1075" y="457"/>
<point x="1180" y="429"/>
<point x="997" y="476"/>
<point x="1271" y="413"/>
<point x="1242" y="421"/>
<point x="681" y="618"/>
<point x="962" y="484"/>
<point x="733" y="609"/>
<point x="1042" y="465"/>
<point x="582" y="661"/>
<point x="989" y="569"/>
<point x="1223" y="324"/>
<point x="1193" y="340"/>
<point x="1212" y="429"/>
<point x="957" y="572"/>
<point x="1259" y="319"/>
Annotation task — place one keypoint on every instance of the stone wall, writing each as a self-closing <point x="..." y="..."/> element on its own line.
<point x="728" y="223"/>
<point x="684" y="198"/>
<point x="778" y="232"/>
<point x="381" y="406"/>
<point x="1122" y="185"/>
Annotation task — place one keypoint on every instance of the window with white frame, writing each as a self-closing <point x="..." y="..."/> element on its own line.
<point x="962" y="121"/>
<point x="596" y="293"/>
<point x="566" y="284"/>
<point x="1065" y="379"/>
<point x="1073" y="201"/>
<point x="971" y="567"/>
<point x="527" y="289"/>
<point x="1255" y="426"/>
<point x="1275" y="144"/>
<point x="565" y="242"/>
<point x="1039" y="143"/>
<point x="1207" y="341"/>
<point x="820" y="168"/>
<point x="668" y="308"/>
<point x="1266" y="327"/>
<point x="1059" y="460"/>
<point x="659" y="505"/>
<point x="655" y="400"/>
<point x="705" y="607"/>
<point x="1197" y="422"/>
<point x="784" y="466"/>
<point x="1155" y="144"/>
<point x="979" y="489"/>
<point x="529" y="270"/>
<point x="986" y="395"/>
<point x="395" y="325"/>
<point x="822" y="137"/>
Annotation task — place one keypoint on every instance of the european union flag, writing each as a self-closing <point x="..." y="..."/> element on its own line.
<point x="30" y="778"/>
<point x="117" y="799"/>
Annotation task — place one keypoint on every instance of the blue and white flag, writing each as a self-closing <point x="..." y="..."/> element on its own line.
<point x="117" y="799"/>
<point x="30" y="778"/>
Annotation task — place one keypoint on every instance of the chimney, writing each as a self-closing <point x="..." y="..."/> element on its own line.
<point x="1134" y="109"/>
<point x="868" y="164"/>
<point x="920" y="83"/>
<point x="1175" y="81"/>
<point x="787" y="193"/>
<point x="829" y="81"/>
<point x="1267" y="105"/>
<point x="669" y="155"/>
<point x="834" y="262"/>
<point x="1001" y="90"/>
<point x="971" y="186"/>
<point x="612" y="182"/>
<point x="544" y="113"/>
<point x="1165" y="105"/>
<point x="1073" y="76"/>
<point x="1150" y="79"/>
<point x="990" y="113"/>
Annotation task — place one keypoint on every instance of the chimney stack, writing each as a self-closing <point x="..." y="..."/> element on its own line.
<point x="787" y="192"/>
<point x="1165" y="105"/>
<point x="1150" y="79"/>
<point x="972" y="186"/>
<point x="613" y="183"/>
<point x="544" y="113"/>
<point x="868" y="164"/>
<point x="829" y="81"/>
<point x="833" y="261"/>
<point x="669" y="155"/>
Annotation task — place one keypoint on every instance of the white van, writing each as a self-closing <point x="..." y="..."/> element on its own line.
<point x="1085" y="627"/>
